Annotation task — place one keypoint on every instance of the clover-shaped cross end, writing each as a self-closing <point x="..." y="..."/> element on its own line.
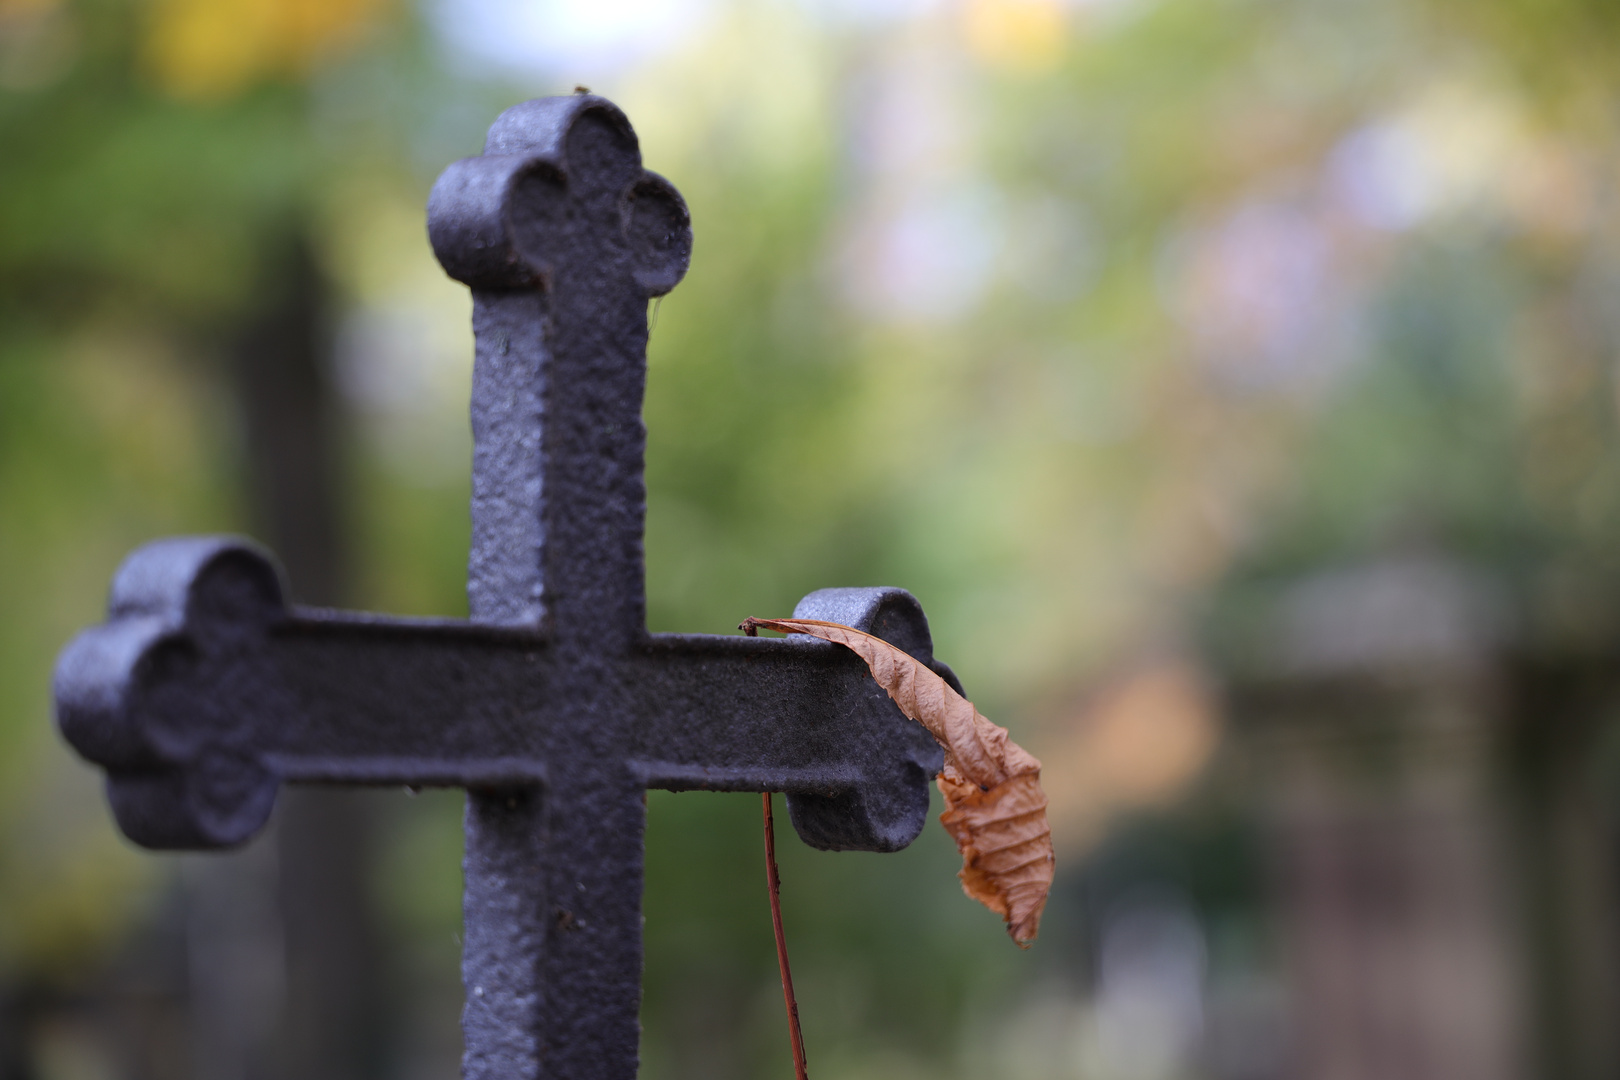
<point x="180" y="770"/>
<point x="559" y="189"/>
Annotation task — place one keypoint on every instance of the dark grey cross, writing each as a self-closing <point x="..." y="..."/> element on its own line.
<point x="551" y="705"/>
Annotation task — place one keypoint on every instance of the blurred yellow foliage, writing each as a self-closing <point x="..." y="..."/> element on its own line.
<point x="1136" y="743"/>
<point x="210" y="49"/>
<point x="1022" y="35"/>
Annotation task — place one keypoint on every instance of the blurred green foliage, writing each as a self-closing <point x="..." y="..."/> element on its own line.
<point x="1061" y="339"/>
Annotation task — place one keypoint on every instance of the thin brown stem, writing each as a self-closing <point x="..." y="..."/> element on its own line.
<point x="775" y="883"/>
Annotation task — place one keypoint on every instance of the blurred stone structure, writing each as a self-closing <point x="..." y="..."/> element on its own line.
<point x="1441" y="863"/>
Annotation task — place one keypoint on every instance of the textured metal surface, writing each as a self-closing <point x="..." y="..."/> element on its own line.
<point x="552" y="705"/>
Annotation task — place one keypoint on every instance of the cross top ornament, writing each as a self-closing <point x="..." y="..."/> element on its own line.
<point x="552" y="705"/>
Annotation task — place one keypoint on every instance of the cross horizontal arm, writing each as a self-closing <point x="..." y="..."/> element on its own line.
<point x="203" y="692"/>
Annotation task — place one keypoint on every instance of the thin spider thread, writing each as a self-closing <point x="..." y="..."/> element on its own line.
<point x="774" y="881"/>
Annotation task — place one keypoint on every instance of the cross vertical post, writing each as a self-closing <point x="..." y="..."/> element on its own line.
<point x="558" y="505"/>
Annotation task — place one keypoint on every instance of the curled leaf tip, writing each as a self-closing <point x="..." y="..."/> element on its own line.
<point x="995" y="809"/>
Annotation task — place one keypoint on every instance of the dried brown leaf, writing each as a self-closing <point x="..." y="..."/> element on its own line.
<point x="994" y="807"/>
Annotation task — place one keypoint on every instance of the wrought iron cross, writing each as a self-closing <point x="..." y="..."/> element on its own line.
<point x="551" y="705"/>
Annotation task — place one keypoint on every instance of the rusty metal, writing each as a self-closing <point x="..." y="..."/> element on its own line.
<point x="551" y="705"/>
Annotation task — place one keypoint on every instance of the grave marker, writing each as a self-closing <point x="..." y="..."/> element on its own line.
<point x="552" y="705"/>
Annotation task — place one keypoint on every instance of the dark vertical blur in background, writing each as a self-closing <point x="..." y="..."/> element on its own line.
<point x="1234" y="381"/>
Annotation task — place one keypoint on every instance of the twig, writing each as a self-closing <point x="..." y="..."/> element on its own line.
<point x="775" y="883"/>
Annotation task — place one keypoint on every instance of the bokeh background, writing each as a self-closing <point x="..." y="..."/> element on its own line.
<point x="1234" y="381"/>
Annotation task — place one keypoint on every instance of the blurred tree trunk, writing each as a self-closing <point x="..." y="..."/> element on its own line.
<point x="1560" y="729"/>
<point x="303" y="996"/>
